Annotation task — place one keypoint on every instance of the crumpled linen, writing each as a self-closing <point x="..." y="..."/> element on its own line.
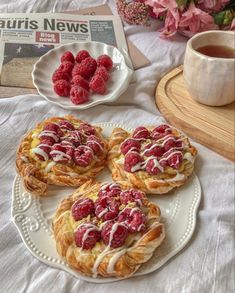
<point x="206" y="264"/>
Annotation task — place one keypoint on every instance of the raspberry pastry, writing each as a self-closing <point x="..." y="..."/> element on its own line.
<point x="60" y="151"/>
<point x="102" y="230"/>
<point x="153" y="159"/>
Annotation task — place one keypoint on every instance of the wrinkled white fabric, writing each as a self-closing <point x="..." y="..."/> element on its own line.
<point x="206" y="264"/>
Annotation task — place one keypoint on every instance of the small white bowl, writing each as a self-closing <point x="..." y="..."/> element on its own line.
<point x="48" y="63"/>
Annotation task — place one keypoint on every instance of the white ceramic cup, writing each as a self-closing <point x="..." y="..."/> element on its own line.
<point x="210" y="80"/>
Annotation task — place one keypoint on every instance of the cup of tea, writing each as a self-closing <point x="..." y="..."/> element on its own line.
<point x="209" y="67"/>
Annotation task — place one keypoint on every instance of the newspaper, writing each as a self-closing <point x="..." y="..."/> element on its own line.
<point x="26" y="37"/>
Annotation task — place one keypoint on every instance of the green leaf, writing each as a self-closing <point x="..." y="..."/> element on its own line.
<point x="182" y="3"/>
<point x="224" y="17"/>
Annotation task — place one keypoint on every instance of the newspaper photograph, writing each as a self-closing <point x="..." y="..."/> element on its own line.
<point x="26" y="37"/>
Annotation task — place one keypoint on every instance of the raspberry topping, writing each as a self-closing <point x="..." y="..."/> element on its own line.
<point x="101" y="71"/>
<point x="133" y="218"/>
<point x="67" y="56"/>
<point x="74" y="138"/>
<point x="141" y="132"/>
<point x="45" y="147"/>
<point x="78" y="95"/>
<point x="88" y="67"/>
<point x="86" y="128"/>
<point x="59" y="74"/>
<point x="79" y="80"/>
<point x="82" y="208"/>
<point x="60" y="153"/>
<point x="152" y="167"/>
<point x="132" y="162"/>
<point x="161" y="131"/>
<point x="114" y="234"/>
<point x="130" y="145"/>
<point x="110" y="189"/>
<point x="131" y="195"/>
<point x="47" y="141"/>
<point x="106" y="208"/>
<point x="51" y="136"/>
<point x="175" y="159"/>
<point x="53" y="127"/>
<point x="66" y="66"/>
<point x="95" y="144"/>
<point x="97" y="85"/>
<point x="153" y="150"/>
<point x="87" y="235"/>
<point x="62" y="88"/>
<point x="106" y="61"/>
<point x="66" y="125"/>
<point x="83" y="156"/>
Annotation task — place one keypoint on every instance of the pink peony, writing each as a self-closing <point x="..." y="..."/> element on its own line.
<point x="232" y="27"/>
<point x="212" y="5"/>
<point x="168" y="10"/>
<point x="195" y="20"/>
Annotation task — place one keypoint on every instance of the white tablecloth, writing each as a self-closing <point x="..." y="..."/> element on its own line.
<point x="207" y="262"/>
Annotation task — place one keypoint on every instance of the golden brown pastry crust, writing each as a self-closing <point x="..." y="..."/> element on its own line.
<point x="35" y="178"/>
<point x="84" y="261"/>
<point x="153" y="184"/>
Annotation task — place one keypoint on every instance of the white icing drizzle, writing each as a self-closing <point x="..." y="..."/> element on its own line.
<point x="102" y="212"/>
<point x="170" y="155"/>
<point x="49" y="166"/>
<point x="178" y="177"/>
<point x="50" y="134"/>
<point x="140" y="131"/>
<point x="97" y="143"/>
<point x="90" y="227"/>
<point x="40" y="152"/>
<point x="120" y="161"/>
<point x="110" y="185"/>
<point x="34" y="135"/>
<point x="23" y="158"/>
<point x="114" y="259"/>
<point x="59" y="155"/>
<point x="44" y="145"/>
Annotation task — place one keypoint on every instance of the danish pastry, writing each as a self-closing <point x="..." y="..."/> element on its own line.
<point x="152" y="159"/>
<point x="60" y="151"/>
<point x="104" y="231"/>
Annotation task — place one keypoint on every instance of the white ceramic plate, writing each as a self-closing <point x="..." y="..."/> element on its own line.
<point x="48" y="63"/>
<point x="33" y="217"/>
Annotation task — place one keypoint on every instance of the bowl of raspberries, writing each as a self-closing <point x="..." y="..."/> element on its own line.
<point x="81" y="75"/>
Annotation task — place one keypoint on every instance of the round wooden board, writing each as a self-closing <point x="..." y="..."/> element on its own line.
<point x="210" y="126"/>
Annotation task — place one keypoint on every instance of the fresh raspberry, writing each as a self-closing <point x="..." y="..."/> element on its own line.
<point x="82" y="208"/>
<point x="67" y="56"/>
<point x="95" y="144"/>
<point x="81" y="55"/>
<point x="59" y="74"/>
<point x="69" y="149"/>
<point x="132" y="162"/>
<point x="87" y="240"/>
<point x="131" y="195"/>
<point x="161" y="131"/>
<point x="106" y="61"/>
<point x="60" y="154"/>
<point x="175" y="159"/>
<point x="49" y="135"/>
<point x="133" y="218"/>
<point x="74" y="137"/>
<point x="106" y="208"/>
<point x="86" y="68"/>
<point x="153" y="150"/>
<point x="78" y="95"/>
<point x="97" y="85"/>
<point x="101" y="71"/>
<point x="45" y="147"/>
<point x="130" y="145"/>
<point x="66" y="125"/>
<point x="83" y="156"/>
<point x="114" y="234"/>
<point x="141" y="132"/>
<point x="62" y="88"/>
<point x="110" y="190"/>
<point x="66" y="66"/>
<point x="79" y="80"/>
<point x="86" y="128"/>
<point x="53" y="127"/>
<point x="151" y="167"/>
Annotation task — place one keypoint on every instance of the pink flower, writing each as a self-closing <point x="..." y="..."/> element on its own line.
<point x="195" y="20"/>
<point x="232" y="27"/>
<point x="169" y="10"/>
<point x="212" y="5"/>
